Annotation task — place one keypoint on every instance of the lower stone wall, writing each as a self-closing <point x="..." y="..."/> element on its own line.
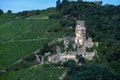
<point x="89" y="55"/>
<point x="80" y="50"/>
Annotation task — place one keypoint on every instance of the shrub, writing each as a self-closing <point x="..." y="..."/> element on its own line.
<point x="67" y="23"/>
<point x="89" y="49"/>
<point x="1" y="11"/>
<point x="9" y="11"/>
<point x="55" y="16"/>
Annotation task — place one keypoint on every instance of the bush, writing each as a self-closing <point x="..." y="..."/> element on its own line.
<point x="69" y="63"/>
<point x="30" y="58"/>
<point x="9" y="11"/>
<point x="67" y="23"/>
<point x="81" y="59"/>
<point x="89" y="49"/>
<point x="28" y="13"/>
<point x="91" y="72"/>
<point x="1" y="11"/>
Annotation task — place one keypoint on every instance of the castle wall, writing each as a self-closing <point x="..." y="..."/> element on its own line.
<point x="88" y="43"/>
<point x="90" y="55"/>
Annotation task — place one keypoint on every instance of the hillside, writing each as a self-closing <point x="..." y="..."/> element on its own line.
<point x="27" y="33"/>
<point x="22" y="37"/>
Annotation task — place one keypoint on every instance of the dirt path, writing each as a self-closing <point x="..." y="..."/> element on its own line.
<point x="63" y="76"/>
<point x="25" y="40"/>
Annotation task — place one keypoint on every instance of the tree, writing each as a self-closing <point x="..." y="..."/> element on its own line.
<point x="58" y="6"/>
<point x="74" y="14"/>
<point x="55" y="16"/>
<point x="69" y="63"/>
<point x="9" y="11"/>
<point x="99" y="3"/>
<point x="80" y="0"/>
<point x="91" y="72"/>
<point x="57" y="2"/>
<point x="1" y="11"/>
<point x="65" y="1"/>
<point x="67" y="23"/>
<point x="81" y="59"/>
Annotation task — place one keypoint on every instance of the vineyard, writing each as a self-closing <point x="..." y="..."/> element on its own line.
<point x="21" y="37"/>
<point x="41" y="72"/>
<point x="43" y="14"/>
<point x="32" y="41"/>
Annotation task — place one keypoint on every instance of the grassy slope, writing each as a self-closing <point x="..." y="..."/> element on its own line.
<point x="12" y="32"/>
<point x="35" y="73"/>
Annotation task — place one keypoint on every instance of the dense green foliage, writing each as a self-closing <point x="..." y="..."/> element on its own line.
<point x="89" y="49"/>
<point x="81" y="59"/>
<point x="91" y="72"/>
<point x="102" y="24"/>
<point x="28" y="13"/>
<point x="1" y="12"/>
<point x="9" y="11"/>
<point x="69" y="63"/>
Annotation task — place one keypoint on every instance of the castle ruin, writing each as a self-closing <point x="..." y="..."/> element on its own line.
<point x="79" y="43"/>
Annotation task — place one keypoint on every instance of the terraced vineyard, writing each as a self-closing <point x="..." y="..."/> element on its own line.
<point x="21" y="37"/>
<point x="43" y="15"/>
<point x="40" y="72"/>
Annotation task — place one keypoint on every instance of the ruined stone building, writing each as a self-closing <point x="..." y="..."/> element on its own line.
<point x="79" y="43"/>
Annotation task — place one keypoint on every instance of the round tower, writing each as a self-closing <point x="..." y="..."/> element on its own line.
<point x="80" y="32"/>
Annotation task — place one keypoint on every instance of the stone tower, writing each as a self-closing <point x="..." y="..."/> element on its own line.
<point x="80" y="33"/>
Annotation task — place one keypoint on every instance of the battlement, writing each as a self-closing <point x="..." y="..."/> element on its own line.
<point x="81" y="23"/>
